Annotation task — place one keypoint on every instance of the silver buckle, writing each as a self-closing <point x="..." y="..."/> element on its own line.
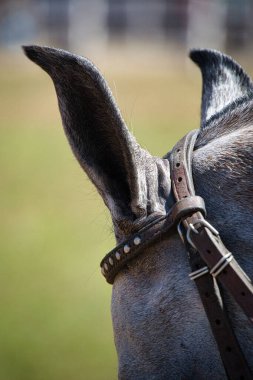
<point x="221" y="264"/>
<point x="191" y="227"/>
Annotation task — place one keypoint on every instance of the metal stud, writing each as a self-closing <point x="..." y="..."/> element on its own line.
<point x="110" y="260"/>
<point x="126" y="248"/>
<point x="137" y="240"/>
<point x="105" y="266"/>
<point x="117" y="255"/>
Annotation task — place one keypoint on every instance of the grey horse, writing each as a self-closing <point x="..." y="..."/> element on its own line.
<point x="160" y="327"/>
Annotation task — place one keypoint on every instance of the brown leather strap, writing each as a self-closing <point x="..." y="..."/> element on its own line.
<point x="116" y="259"/>
<point x="187" y="206"/>
<point x="232" y="357"/>
<point x="231" y="354"/>
<point x="210" y="247"/>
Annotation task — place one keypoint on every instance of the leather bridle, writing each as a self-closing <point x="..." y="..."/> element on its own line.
<point x="209" y="259"/>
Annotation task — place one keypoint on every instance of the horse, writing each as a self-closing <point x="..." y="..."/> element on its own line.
<point x="161" y="330"/>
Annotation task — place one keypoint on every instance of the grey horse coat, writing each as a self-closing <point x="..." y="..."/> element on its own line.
<point x="160" y="328"/>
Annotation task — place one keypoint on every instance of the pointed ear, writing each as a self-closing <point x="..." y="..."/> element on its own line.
<point x="224" y="82"/>
<point x="95" y="129"/>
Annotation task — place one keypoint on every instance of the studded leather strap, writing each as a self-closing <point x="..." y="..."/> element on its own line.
<point x="116" y="259"/>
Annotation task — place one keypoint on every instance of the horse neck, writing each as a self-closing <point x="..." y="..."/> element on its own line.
<point x="229" y="210"/>
<point x="228" y="202"/>
<point x="159" y="322"/>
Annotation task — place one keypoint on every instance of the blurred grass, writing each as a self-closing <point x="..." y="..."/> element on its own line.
<point x="55" y="307"/>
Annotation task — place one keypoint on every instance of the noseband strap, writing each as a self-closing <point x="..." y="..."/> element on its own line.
<point x="208" y="257"/>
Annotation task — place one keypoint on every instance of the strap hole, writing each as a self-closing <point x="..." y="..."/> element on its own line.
<point x="228" y="349"/>
<point x="208" y="251"/>
<point x="179" y="179"/>
<point x="197" y="266"/>
<point x="207" y="294"/>
<point x="177" y="164"/>
<point x="178" y="150"/>
<point x="243" y="294"/>
<point x="218" y="322"/>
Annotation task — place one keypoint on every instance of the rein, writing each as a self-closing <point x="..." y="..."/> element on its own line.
<point x="208" y="257"/>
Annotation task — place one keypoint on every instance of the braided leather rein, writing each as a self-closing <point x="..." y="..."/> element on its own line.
<point x="208" y="257"/>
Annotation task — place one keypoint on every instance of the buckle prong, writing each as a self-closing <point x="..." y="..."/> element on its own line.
<point x="180" y="232"/>
<point x="203" y="223"/>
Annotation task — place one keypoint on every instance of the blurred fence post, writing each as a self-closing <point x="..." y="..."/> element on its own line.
<point x="116" y="19"/>
<point x="238" y="24"/>
<point x="176" y="20"/>
<point x="58" y="23"/>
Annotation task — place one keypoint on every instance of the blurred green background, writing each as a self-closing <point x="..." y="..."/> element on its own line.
<point x="55" y="306"/>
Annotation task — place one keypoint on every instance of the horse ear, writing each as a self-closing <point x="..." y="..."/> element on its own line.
<point x="97" y="134"/>
<point x="224" y="82"/>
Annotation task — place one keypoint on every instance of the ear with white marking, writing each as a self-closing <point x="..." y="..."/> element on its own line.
<point x="224" y="82"/>
<point x="98" y="136"/>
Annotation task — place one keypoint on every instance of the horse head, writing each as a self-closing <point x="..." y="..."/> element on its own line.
<point x="160" y="327"/>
